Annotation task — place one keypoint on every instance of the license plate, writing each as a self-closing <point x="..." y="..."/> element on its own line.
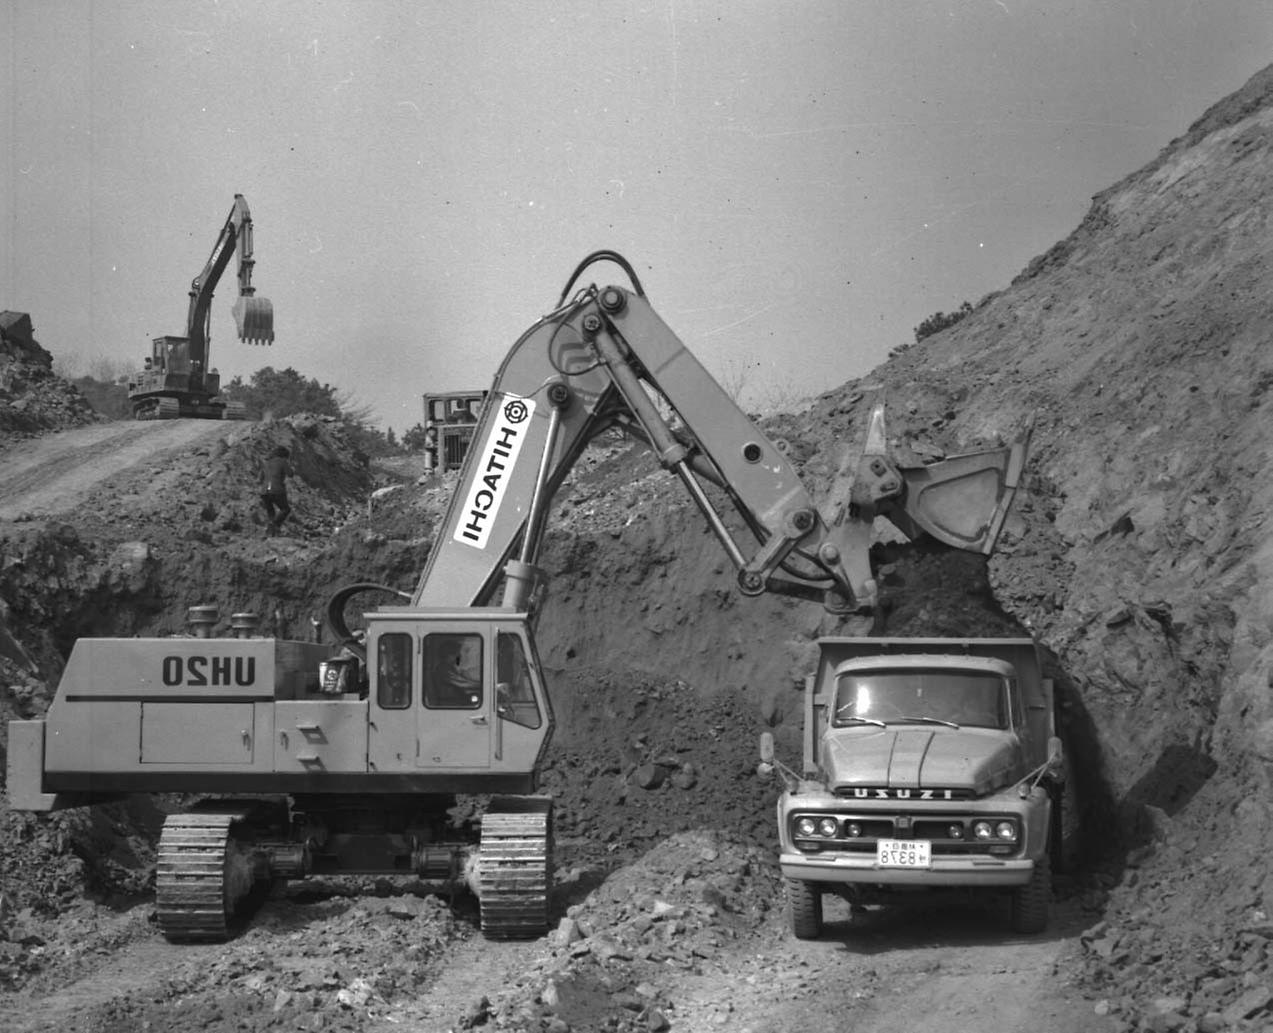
<point x="904" y="853"/>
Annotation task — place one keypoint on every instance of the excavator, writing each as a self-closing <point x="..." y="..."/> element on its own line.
<point x="349" y="755"/>
<point x="175" y="381"/>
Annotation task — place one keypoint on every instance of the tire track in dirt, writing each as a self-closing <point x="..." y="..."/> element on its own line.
<point x="921" y="970"/>
<point x="54" y="474"/>
<point x="127" y="972"/>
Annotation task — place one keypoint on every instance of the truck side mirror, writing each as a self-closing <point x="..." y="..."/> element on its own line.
<point x="766" y="766"/>
<point x="1056" y="757"/>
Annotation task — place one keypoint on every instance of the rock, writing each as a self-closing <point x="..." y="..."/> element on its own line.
<point x="566" y="933"/>
<point x="650" y="776"/>
<point x="476" y="1014"/>
<point x="656" y="1021"/>
<point x="629" y="1001"/>
<point x="1250" y="1003"/>
<point x="356" y="995"/>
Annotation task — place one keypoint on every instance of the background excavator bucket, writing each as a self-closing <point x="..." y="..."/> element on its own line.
<point x="254" y="319"/>
<point x="963" y="500"/>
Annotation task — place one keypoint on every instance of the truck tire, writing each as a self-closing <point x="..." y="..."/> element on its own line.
<point x="1032" y="902"/>
<point x="804" y="905"/>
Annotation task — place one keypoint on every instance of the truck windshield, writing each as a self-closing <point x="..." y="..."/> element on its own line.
<point x="896" y="697"/>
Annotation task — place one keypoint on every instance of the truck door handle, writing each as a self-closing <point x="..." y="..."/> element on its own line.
<point x="478" y="719"/>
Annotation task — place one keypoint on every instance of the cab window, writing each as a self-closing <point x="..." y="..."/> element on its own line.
<point x="453" y="672"/>
<point x="393" y="671"/>
<point x="514" y="694"/>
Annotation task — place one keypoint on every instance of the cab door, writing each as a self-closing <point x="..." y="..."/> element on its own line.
<point x="453" y="719"/>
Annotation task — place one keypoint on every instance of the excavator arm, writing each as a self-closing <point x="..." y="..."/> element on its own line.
<point x="253" y="316"/>
<point x="605" y="359"/>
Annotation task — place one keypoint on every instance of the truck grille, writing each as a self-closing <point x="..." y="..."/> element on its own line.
<point x="867" y="829"/>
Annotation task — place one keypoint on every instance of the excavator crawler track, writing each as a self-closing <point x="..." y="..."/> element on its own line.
<point x="515" y="874"/>
<point x="201" y="875"/>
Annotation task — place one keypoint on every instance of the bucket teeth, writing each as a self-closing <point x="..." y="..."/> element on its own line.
<point x="254" y="320"/>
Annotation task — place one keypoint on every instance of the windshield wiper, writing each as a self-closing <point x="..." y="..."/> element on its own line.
<point x="924" y="720"/>
<point x="863" y="720"/>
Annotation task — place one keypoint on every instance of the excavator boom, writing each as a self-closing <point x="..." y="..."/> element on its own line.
<point x="253" y="316"/>
<point x="606" y="359"/>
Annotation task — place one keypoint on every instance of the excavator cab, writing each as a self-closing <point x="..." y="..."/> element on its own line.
<point x="455" y="691"/>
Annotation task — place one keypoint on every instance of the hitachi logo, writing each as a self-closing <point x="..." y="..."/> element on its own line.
<point x="491" y="471"/>
<point x="501" y="449"/>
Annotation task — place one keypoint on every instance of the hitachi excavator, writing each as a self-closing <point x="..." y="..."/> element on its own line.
<point x="347" y="757"/>
<point x="176" y="381"/>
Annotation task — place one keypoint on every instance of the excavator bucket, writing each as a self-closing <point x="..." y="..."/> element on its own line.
<point x="963" y="500"/>
<point x="254" y="319"/>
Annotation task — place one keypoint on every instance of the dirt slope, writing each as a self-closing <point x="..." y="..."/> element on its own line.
<point x="54" y="474"/>
<point x="1140" y="558"/>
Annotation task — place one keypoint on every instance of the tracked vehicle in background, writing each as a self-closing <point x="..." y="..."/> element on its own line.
<point x="349" y="757"/>
<point x="176" y="382"/>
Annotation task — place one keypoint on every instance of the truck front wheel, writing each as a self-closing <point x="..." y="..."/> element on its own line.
<point x="1031" y="902"/>
<point x="804" y="904"/>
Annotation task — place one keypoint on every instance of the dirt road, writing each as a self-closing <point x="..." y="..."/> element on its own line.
<point x="375" y="965"/>
<point x="54" y="474"/>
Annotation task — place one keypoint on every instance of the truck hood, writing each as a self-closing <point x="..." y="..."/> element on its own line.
<point x="912" y="758"/>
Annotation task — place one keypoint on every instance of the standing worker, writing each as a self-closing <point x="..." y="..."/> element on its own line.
<point x="274" y="473"/>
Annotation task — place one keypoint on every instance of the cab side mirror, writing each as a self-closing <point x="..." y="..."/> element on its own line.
<point x="1056" y="758"/>
<point x="766" y="766"/>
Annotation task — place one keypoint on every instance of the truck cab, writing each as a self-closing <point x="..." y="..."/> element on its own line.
<point x="929" y="764"/>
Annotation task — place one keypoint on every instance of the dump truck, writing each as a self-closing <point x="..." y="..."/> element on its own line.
<point x="349" y="756"/>
<point x="176" y="381"/>
<point x="930" y="765"/>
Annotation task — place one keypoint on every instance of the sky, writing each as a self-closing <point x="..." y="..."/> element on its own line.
<point x="798" y="184"/>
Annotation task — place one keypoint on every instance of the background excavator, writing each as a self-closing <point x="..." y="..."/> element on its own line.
<point x="176" y="381"/>
<point x="348" y="757"/>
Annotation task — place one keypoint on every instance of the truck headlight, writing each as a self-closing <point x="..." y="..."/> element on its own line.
<point x="1006" y="830"/>
<point x="983" y="830"/>
<point x="853" y="830"/>
<point x="827" y="827"/>
<point x="806" y="826"/>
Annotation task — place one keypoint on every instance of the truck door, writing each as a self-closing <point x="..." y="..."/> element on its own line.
<point x="453" y="720"/>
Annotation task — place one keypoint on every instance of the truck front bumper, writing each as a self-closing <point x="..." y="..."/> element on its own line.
<point x="945" y="871"/>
